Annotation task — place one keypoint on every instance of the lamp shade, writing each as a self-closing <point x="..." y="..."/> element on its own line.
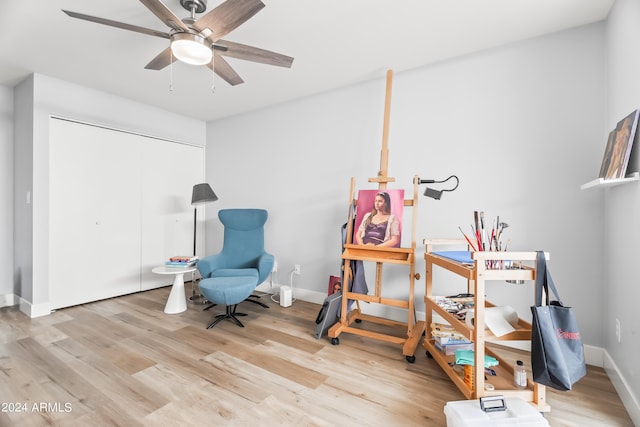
<point x="202" y="193"/>
<point x="434" y="194"/>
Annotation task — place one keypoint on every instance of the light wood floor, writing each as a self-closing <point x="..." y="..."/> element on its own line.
<point x="124" y="362"/>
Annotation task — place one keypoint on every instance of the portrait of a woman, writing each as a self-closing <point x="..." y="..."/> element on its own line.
<point x="379" y="226"/>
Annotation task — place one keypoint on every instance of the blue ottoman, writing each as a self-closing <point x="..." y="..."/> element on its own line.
<point x="229" y="291"/>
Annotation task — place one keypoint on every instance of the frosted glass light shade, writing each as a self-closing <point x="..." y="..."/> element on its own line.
<point x="191" y="48"/>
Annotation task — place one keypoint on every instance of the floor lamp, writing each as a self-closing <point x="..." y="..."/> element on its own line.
<point x="202" y="193"/>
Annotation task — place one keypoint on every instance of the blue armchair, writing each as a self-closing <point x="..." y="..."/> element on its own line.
<point x="243" y="252"/>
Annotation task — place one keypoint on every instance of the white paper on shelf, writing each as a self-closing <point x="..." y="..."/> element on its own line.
<point x="500" y="320"/>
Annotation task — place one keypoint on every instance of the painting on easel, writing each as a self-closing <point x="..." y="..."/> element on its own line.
<point x="379" y="218"/>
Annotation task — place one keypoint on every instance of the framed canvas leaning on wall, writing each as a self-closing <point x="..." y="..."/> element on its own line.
<point x="618" y="149"/>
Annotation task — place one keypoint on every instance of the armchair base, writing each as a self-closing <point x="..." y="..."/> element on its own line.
<point x="230" y="314"/>
<point x="255" y="301"/>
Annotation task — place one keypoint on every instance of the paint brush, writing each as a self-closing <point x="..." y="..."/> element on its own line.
<point x="483" y="235"/>
<point x="467" y="239"/>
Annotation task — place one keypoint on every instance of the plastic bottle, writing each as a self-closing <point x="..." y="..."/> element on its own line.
<point x="469" y="379"/>
<point x="519" y="375"/>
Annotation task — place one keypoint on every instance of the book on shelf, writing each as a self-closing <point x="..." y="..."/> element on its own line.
<point x="449" y="349"/>
<point x="451" y="340"/>
<point x="445" y="330"/>
<point x="463" y="257"/>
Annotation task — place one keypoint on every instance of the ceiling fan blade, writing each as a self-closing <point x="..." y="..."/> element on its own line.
<point x="224" y="70"/>
<point x="254" y="54"/>
<point x="227" y="17"/>
<point x="165" y="14"/>
<point x="117" y="24"/>
<point x="161" y="60"/>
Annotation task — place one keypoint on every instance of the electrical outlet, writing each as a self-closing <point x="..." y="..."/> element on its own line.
<point x="296" y="269"/>
<point x="618" y="329"/>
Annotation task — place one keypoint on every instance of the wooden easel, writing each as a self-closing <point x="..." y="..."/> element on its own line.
<point x="406" y="256"/>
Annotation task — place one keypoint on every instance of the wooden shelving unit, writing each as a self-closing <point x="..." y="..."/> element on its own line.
<point x="477" y="276"/>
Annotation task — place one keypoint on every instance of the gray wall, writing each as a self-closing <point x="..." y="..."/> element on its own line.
<point x="23" y="184"/>
<point x="6" y="191"/>
<point x="622" y="209"/>
<point x="522" y="127"/>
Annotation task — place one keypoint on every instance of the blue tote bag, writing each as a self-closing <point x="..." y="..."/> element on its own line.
<point x="557" y="353"/>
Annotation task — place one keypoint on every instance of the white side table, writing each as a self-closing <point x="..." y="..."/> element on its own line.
<point x="177" y="302"/>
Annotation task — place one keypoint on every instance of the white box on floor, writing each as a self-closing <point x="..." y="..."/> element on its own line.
<point x="467" y="413"/>
<point x="285" y="296"/>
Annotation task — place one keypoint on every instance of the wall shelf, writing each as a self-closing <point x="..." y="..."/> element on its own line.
<point x="601" y="182"/>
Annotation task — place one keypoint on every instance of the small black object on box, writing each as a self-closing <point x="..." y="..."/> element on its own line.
<point x="493" y="403"/>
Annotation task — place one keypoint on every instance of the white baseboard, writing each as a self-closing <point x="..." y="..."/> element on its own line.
<point x="34" y="310"/>
<point x="314" y="297"/>
<point x="8" y="300"/>
<point x="594" y="356"/>
<point x="629" y="400"/>
<point x="25" y="306"/>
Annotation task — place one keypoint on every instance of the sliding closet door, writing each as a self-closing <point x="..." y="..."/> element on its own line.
<point x="94" y="213"/>
<point x="167" y="214"/>
<point x="120" y="205"/>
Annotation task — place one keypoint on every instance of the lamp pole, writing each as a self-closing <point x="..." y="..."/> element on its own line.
<point x="202" y="193"/>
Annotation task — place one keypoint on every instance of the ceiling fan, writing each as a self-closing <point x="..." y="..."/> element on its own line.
<point x="199" y="41"/>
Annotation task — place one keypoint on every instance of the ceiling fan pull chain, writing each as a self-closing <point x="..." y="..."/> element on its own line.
<point x="171" y="72"/>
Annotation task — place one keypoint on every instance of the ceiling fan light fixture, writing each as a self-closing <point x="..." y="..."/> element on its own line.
<point x="191" y="48"/>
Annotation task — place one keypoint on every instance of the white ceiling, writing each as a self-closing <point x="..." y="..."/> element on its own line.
<point x="334" y="42"/>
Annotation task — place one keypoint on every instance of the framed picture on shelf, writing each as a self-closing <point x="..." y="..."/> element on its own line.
<point x="606" y="159"/>
<point x="379" y="218"/>
<point x="618" y="149"/>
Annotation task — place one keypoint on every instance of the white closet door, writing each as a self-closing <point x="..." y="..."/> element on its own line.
<point x="94" y="213"/>
<point x="167" y="214"/>
<point x="120" y="205"/>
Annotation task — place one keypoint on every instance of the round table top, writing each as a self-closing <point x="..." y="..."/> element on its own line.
<point x="163" y="269"/>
